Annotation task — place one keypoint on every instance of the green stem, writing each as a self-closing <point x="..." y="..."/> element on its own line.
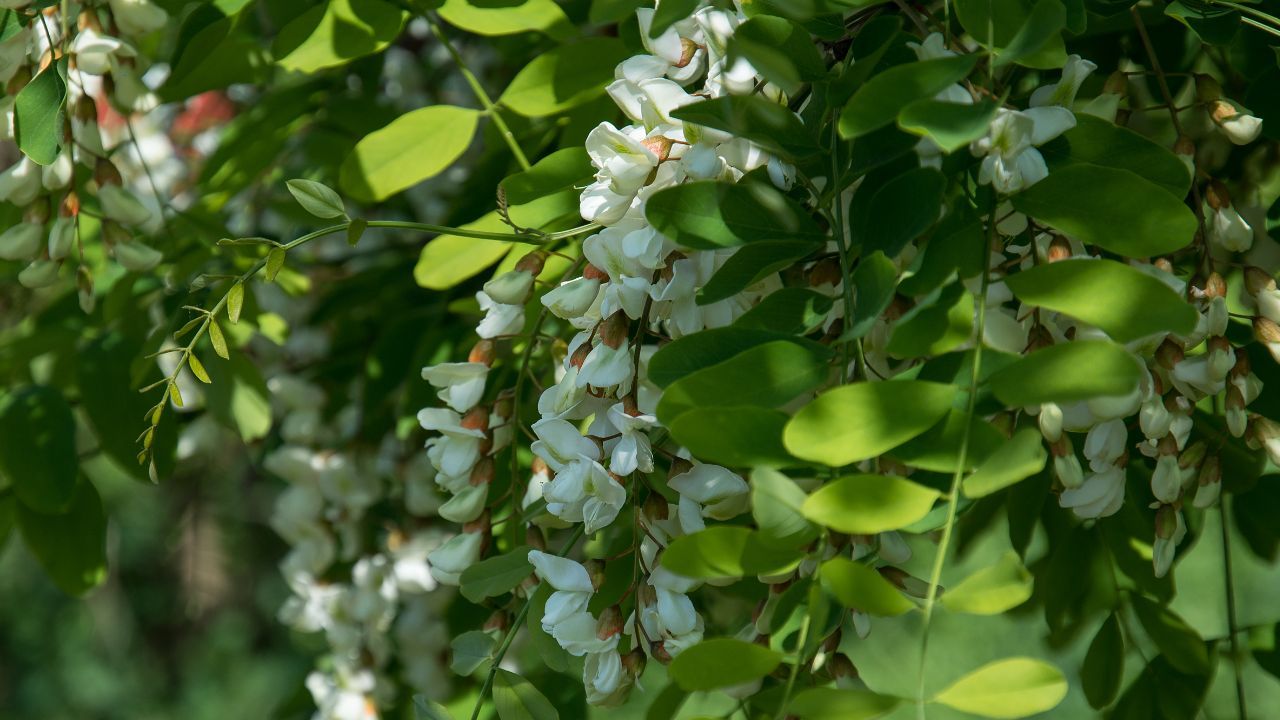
<point x="953" y="493"/>
<point x="511" y="633"/>
<point x="528" y="239"/>
<point x="490" y="108"/>
<point x="1227" y="580"/>
<point x="795" y="668"/>
<point x="846" y="269"/>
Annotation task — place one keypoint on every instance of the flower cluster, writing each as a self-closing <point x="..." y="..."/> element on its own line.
<point x="95" y="55"/>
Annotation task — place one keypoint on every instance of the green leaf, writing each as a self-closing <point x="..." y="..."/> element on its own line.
<point x="355" y="231"/>
<point x="275" y="261"/>
<point x="1055" y="374"/>
<point x="727" y="551"/>
<point x="775" y="505"/>
<point x="1037" y="35"/>
<point x="780" y="50"/>
<point x="565" y="77"/>
<point x="722" y="662"/>
<point x="336" y="33"/>
<point x="450" y="259"/>
<point x="484" y="17"/>
<point x="934" y="328"/>
<point x="737" y="435"/>
<point x="670" y="13"/>
<point x="869" y="504"/>
<point x="11" y="23"/>
<point x="938" y="449"/>
<point x="1010" y="688"/>
<point x="235" y="302"/>
<point x="549" y="190"/>
<point x="71" y="545"/>
<point x="1103" y="669"/>
<point x="496" y="575"/>
<point x="212" y="52"/>
<point x="777" y="372"/>
<point x="197" y="369"/>
<point x="764" y="122"/>
<point x="1095" y="141"/>
<point x="1078" y="200"/>
<point x="861" y="587"/>
<point x="860" y="421"/>
<point x="873" y="280"/>
<point x="424" y="709"/>
<point x="992" y="590"/>
<point x="827" y="703"/>
<point x="414" y="147"/>
<point x="1123" y="301"/>
<point x="1021" y="457"/>
<point x="471" y="649"/>
<point x="791" y="310"/>
<point x="218" y="340"/>
<point x="1180" y="644"/>
<point x="706" y="215"/>
<point x="709" y="347"/>
<point x="905" y="207"/>
<point x="878" y="102"/>
<point x="749" y="265"/>
<point x="517" y="699"/>
<point x="950" y="125"/>
<point x="316" y="198"/>
<point x="38" y="114"/>
<point x="38" y="447"/>
<point x="995" y="24"/>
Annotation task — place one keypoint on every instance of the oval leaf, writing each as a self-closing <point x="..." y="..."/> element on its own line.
<point x="879" y="101"/>
<point x="38" y="448"/>
<point x="315" y="198"/>
<point x="496" y="575"/>
<point x="1021" y="457"/>
<point x="1123" y="301"/>
<point x="991" y="590"/>
<point x="1056" y="374"/>
<point x="707" y="215"/>
<point x="860" y="587"/>
<point x="517" y="699"/>
<point x="414" y="147"/>
<point x="1010" y="688"/>
<point x="860" y="421"/>
<point x="722" y="662"/>
<point x="726" y="551"/>
<point x="869" y="504"/>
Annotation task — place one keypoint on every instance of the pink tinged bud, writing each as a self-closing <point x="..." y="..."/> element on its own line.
<point x="1209" y="484"/>
<point x="613" y="331"/>
<point x="1257" y="280"/>
<point x="482" y="353"/>
<point x="610" y="624"/>
<point x="688" y="49"/>
<point x="659" y="145"/>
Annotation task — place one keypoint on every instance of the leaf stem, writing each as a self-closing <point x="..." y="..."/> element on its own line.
<point x="1229" y="585"/>
<point x="962" y="461"/>
<point x="490" y="108"/>
<point x="846" y="269"/>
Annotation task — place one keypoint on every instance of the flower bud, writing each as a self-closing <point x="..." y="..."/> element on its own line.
<point x="62" y="237"/>
<point x="1257" y="280"/>
<point x="22" y="241"/>
<point x="41" y="273"/>
<point x="1266" y="331"/>
<point x="510" y="288"/>
<point x="841" y="667"/>
<point x="614" y="329"/>
<point x="1215" y="286"/>
<point x="825" y="272"/>
<point x="595" y="570"/>
<point x="1209" y="483"/>
<point x="610" y="624"/>
<point x="659" y="145"/>
<point x="688" y="49"/>
<point x="1168" y="354"/>
<point x="498" y="622"/>
<point x="1059" y="249"/>
<point x="136" y="256"/>
<point x="482" y="473"/>
<point x="477" y="418"/>
<point x="1050" y="420"/>
<point x="1117" y="84"/>
<point x="658" y="650"/>
<point x="656" y="507"/>
<point x="1217" y="196"/>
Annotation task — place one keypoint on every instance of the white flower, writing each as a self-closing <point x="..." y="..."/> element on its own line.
<point x="454" y="556"/>
<point x="721" y="492"/>
<point x="137" y="256"/>
<point x="572" y="584"/>
<point x="137" y="17"/>
<point x="461" y="384"/>
<point x="572" y="299"/>
<point x="122" y="205"/>
<point x="311" y="607"/>
<point x="510" y="288"/>
<point x="62" y="237"/>
<point x="1064" y="91"/>
<point x="585" y="492"/>
<point x="1168" y="478"/>
<point x="1011" y="161"/>
<point x="604" y="678"/>
<point x="20" y="184"/>
<point x="1240" y="127"/>
<point x="94" y="51"/>
<point x="559" y="443"/>
<point x="458" y="448"/>
<point x="21" y="242"/>
<point x="606" y="366"/>
<point x="563" y="398"/>
<point x="1226" y="228"/>
<point x="578" y="635"/>
<point x="411" y="571"/>
<point x="1105" y="443"/>
<point x="500" y="318"/>
<point x="1170" y="529"/>
<point x="343" y="484"/>
<point x="632" y="451"/>
<point x="58" y="174"/>
<point x="345" y="695"/>
<point x="372" y="599"/>
<point x="41" y="273"/>
<point x="1068" y="471"/>
<point x="466" y="504"/>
